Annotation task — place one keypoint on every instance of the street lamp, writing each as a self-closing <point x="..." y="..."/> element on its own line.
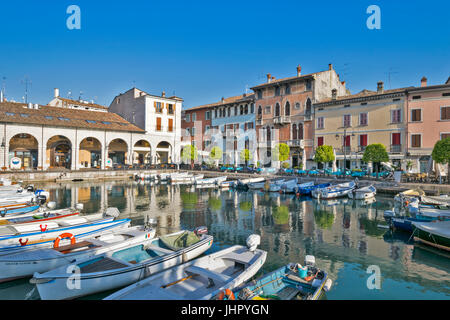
<point x="344" y="147"/>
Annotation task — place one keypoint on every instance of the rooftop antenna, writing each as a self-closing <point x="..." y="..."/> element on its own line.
<point x="2" y="92"/>
<point x="389" y="76"/>
<point x="27" y="83"/>
<point x="81" y="93"/>
<point x="246" y="88"/>
<point x="69" y="94"/>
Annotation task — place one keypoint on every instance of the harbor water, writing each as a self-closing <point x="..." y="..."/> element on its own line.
<point x="348" y="238"/>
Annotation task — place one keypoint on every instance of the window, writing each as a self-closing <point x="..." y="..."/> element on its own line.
<point x="170" y="108"/>
<point x="158" y="124"/>
<point x="48" y="117"/>
<point x="347" y="106"/>
<point x="416" y="97"/>
<point x="347" y="141"/>
<point x="297" y="106"/>
<point x="347" y="120"/>
<point x="416" y="115"/>
<point x="91" y="121"/>
<point x="193" y="131"/>
<point x="416" y="140"/>
<point x="363" y="119"/>
<point x="308" y="85"/>
<point x="259" y="111"/>
<point x="188" y="131"/>
<point x="241" y="108"/>
<point x="445" y="136"/>
<point x="252" y="108"/>
<point x="320" y="141"/>
<point x="229" y="111"/>
<point x="446" y="94"/>
<point x="158" y="107"/>
<point x="363" y="140"/>
<point x="10" y="114"/>
<point x="235" y="110"/>
<point x="445" y="113"/>
<point x="188" y="117"/>
<point x="396" y="139"/>
<point x="277" y="110"/>
<point x="294" y="131"/>
<point x="208" y="115"/>
<point x="300" y="131"/>
<point x="194" y="117"/>
<point x="287" y="109"/>
<point x="320" y="124"/>
<point x="288" y="89"/>
<point x="106" y="122"/>
<point x="207" y="128"/>
<point x="63" y="119"/>
<point x="246" y="109"/>
<point x="260" y="94"/>
<point x="24" y="115"/>
<point x="308" y="107"/>
<point x="396" y="116"/>
<point x="277" y="91"/>
<point x="267" y="110"/>
<point x="215" y="113"/>
<point x="170" y="129"/>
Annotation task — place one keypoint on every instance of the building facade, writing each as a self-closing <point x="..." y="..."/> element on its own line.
<point x="350" y="123"/>
<point x="285" y="113"/>
<point x="159" y="117"/>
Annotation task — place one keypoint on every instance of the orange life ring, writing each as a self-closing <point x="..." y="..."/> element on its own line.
<point x="226" y="293"/>
<point x="64" y="236"/>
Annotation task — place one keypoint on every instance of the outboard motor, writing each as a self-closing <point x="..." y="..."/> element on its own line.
<point x="200" y="230"/>
<point x="41" y="199"/>
<point x="79" y="206"/>
<point x="51" y="205"/>
<point x="253" y="241"/>
<point x="30" y="188"/>
<point x="310" y="261"/>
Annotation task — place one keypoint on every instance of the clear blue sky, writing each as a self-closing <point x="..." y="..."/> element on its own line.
<point x="203" y="50"/>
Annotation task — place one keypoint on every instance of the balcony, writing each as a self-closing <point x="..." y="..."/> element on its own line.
<point x="282" y="120"/>
<point x="296" y="143"/>
<point x="396" y="148"/>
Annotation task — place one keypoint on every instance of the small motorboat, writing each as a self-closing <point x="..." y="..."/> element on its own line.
<point x="201" y="279"/>
<point x="26" y="262"/>
<point x="436" y="234"/>
<point x="290" y="282"/>
<point x="227" y="185"/>
<point x="216" y="180"/>
<point x="243" y="184"/>
<point x="124" y="266"/>
<point x="294" y="187"/>
<point x="308" y="189"/>
<point x="363" y="193"/>
<point x="336" y="191"/>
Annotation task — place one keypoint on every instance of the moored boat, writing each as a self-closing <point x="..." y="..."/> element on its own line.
<point x="290" y="282"/>
<point x="201" y="279"/>
<point x="363" y="193"/>
<point x="294" y="187"/>
<point x="308" y="189"/>
<point x="26" y="262"/>
<point x="339" y="190"/>
<point x="119" y="268"/>
<point x="436" y="234"/>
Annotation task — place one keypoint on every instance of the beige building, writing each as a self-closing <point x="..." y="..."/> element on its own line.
<point x="350" y="123"/>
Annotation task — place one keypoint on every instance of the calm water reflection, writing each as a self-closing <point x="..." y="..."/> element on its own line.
<point x="343" y="234"/>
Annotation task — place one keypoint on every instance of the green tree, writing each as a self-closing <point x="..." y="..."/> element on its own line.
<point x="441" y="154"/>
<point x="324" y="154"/>
<point x="189" y="153"/>
<point x="281" y="152"/>
<point x="216" y="153"/>
<point x="245" y="156"/>
<point x="375" y="153"/>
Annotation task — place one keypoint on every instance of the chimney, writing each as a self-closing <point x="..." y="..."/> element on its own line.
<point x="56" y="92"/>
<point x="269" y="77"/>
<point x="343" y="83"/>
<point x="299" y="71"/>
<point x="334" y="94"/>
<point x="380" y="87"/>
<point x="163" y="94"/>
<point x="223" y="99"/>
<point x="330" y="66"/>
<point x="423" y="82"/>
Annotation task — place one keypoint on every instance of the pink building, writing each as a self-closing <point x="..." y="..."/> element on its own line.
<point x="428" y="120"/>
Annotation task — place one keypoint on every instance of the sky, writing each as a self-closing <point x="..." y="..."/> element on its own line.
<point x="204" y="50"/>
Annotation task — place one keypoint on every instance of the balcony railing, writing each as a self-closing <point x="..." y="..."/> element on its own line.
<point x="396" y="148"/>
<point x="282" y="120"/>
<point x="296" y="143"/>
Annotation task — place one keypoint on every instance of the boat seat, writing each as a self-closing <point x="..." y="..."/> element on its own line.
<point x="240" y="258"/>
<point x="288" y="293"/>
<point x="295" y="278"/>
<point x="208" y="273"/>
<point x="76" y="246"/>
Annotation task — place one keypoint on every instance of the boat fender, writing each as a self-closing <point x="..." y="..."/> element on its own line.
<point x="23" y="243"/>
<point x="64" y="236"/>
<point x="328" y="285"/>
<point x="226" y="294"/>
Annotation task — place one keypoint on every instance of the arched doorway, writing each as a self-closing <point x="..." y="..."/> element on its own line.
<point x="90" y="155"/>
<point x="25" y="147"/>
<point x="118" y="152"/>
<point x="163" y="152"/>
<point x="142" y="152"/>
<point x="59" y="152"/>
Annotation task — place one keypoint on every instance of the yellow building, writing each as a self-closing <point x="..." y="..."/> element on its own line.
<point x="350" y="123"/>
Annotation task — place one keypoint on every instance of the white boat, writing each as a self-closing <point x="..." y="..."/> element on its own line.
<point x="245" y="183"/>
<point x="118" y="268"/>
<point x="26" y="262"/>
<point x="257" y="185"/>
<point x="274" y="185"/>
<point x="363" y="193"/>
<point x="216" y="180"/>
<point x="202" y="279"/>
<point x="40" y="235"/>
<point x="294" y="187"/>
<point x="339" y="190"/>
<point x="227" y="184"/>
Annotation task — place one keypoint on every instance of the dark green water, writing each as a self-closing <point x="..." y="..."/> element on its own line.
<point x="343" y="234"/>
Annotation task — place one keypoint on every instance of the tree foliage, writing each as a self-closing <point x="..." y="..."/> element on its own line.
<point x="441" y="151"/>
<point x="216" y="153"/>
<point x="281" y="152"/>
<point x="324" y="154"/>
<point x="245" y="155"/>
<point x="189" y="153"/>
<point x="375" y="153"/>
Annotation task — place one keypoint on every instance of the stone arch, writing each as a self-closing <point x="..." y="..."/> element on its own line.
<point x="90" y="154"/>
<point x="59" y="152"/>
<point x="163" y="152"/>
<point x="25" y="147"/>
<point x="142" y="152"/>
<point x="118" y="152"/>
